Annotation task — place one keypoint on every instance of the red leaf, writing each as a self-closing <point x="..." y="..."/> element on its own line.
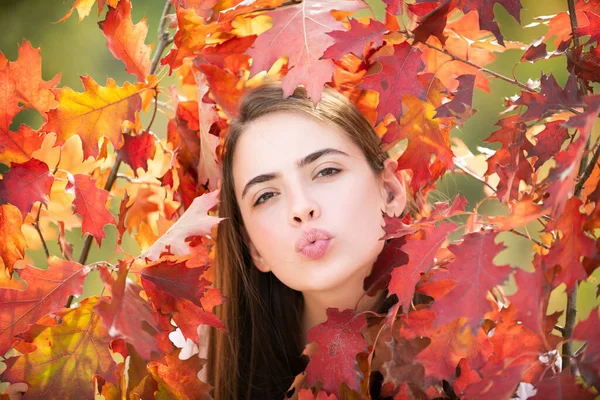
<point x="549" y="142"/>
<point x="421" y="254"/>
<point x="550" y="99"/>
<point x="226" y="88"/>
<point x="25" y="184"/>
<point x="466" y="377"/>
<point x="433" y="20"/>
<point x="137" y="150"/>
<point x="494" y="387"/>
<point x="588" y="330"/>
<point x="355" y="39"/>
<point x="461" y="104"/>
<point x="298" y="32"/>
<point x="339" y="341"/>
<point x="475" y="274"/>
<point x="592" y="29"/>
<point x="393" y="7"/>
<point x="90" y="203"/>
<point x="571" y="247"/>
<point x="398" y="77"/>
<point x="47" y="292"/>
<point x="126" y="41"/>
<point x="177" y="280"/>
<point x="128" y="315"/>
<point x="561" y="387"/>
<point x="390" y="257"/>
<point x="485" y="10"/>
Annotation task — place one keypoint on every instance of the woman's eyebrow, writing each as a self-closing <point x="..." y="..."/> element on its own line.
<point x="312" y="157"/>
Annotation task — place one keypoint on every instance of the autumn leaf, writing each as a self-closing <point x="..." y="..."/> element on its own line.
<point x="126" y="41"/>
<point x="421" y="254"/>
<point x="25" y="184"/>
<point x="338" y="340"/>
<point x="137" y="150"/>
<point x="426" y="137"/>
<point x="90" y="203"/>
<point x="47" y="291"/>
<point x="298" y="32"/>
<point x="592" y="29"/>
<point x="177" y="379"/>
<point x="355" y="39"/>
<point x="397" y="78"/>
<point x="194" y="222"/>
<point x="461" y="104"/>
<point x="12" y="242"/>
<point x="84" y="7"/>
<point x="60" y="359"/>
<point x="475" y="274"/>
<point x="588" y="364"/>
<point x="98" y="111"/>
<point x="561" y="387"/>
<point x="551" y="98"/>
<point x="127" y="315"/>
<point x="549" y="142"/>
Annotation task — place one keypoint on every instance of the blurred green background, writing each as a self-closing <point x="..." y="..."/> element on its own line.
<point x="75" y="48"/>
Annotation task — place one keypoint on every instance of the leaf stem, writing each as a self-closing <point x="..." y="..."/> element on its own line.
<point x="588" y="171"/>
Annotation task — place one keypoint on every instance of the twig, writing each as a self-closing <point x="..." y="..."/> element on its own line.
<point x="154" y="113"/>
<point x="573" y="18"/>
<point x="516" y="232"/>
<point x="588" y="171"/>
<point x="458" y="163"/>
<point x="163" y="38"/>
<point x="137" y="181"/>
<point x="36" y="225"/>
<point x="567" y="348"/>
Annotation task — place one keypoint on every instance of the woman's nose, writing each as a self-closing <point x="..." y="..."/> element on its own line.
<point x="303" y="207"/>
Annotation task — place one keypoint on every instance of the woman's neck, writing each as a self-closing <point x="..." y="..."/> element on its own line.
<point x="346" y="297"/>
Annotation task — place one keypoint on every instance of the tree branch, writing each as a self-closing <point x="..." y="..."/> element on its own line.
<point x="36" y="225"/>
<point x="573" y="18"/>
<point x="567" y="348"/>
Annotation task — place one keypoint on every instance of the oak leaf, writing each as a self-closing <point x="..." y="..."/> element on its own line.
<point x="137" y="150"/>
<point x="397" y="78"/>
<point x="127" y="315"/>
<point x="339" y="341"/>
<point x="90" y="203"/>
<point x="475" y="274"/>
<point x="98" y="111"/>
<point x="592" y="29"/>
<point x="47" y="291"/>
<point x="355" y="39"/>
<point x="194" y="222"/>
<point x="60" y="359"/>
<point x="12" y="242"/>
<point x="25" y="184"/>
<point x="126" y="41"/>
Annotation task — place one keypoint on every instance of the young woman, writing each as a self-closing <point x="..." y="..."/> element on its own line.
<point x="303" y="192"/>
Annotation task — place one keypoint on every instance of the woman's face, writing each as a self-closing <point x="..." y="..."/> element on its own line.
<point x="337" y="192"/>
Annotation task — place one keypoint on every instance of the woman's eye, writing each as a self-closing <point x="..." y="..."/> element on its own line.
<point x="329" y="169"/>
<point x="258" y="202"/>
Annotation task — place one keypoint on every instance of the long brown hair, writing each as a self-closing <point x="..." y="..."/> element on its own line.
<point x="261" y="352"/>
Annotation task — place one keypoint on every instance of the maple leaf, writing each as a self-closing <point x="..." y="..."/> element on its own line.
<point x="338" y="340"/>
<point x="421" y="255"/>
<point x="177" y="280"/>
<point x="126" y="41"/>
<point x="355" y="39"/>
<point x="432" y="21"/>
<point x="298" y="32"/>
<point x="425" y="138"/>
<point x="90" y="203"/>
<point x="226" y="88"/>
<point x="475" y="274"/>
<point x="30" y="88"/>
<point x="127" y="315"/>
<point x="194" y="222"/>
<point x="98" y="111"/>
<point x="84" y="7"/>
<point x="47" y="291"/>
<point x="12" y="241"/>
<point x="137" y="150"/>
<point x="26" y="183"/>
<point x="397" y="78"/>
<point x="592" y="29"/>
<point x="178" y="379"/>
<point x="60" y="359"/>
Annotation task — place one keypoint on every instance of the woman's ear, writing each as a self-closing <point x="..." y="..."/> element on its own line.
<point x="256" y="257"/>
<point x="393" y="189"/>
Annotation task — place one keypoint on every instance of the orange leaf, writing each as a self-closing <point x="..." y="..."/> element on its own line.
<point x="12" y="241"/>
<point x="177" y="379"/>
<point x="98" y="111"/>
<point x="47" y="292"/>
<point x="62" y="358"/>
<point x="126" y="41"/>
<point x="90" y="203"/>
